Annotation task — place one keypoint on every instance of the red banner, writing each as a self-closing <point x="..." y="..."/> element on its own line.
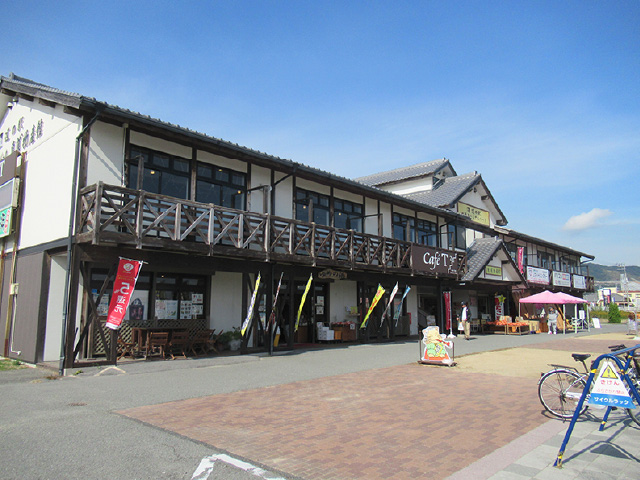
<point x="123" y="287"/>
<point x="521" y="259"/>
<point x="447" y="309"/>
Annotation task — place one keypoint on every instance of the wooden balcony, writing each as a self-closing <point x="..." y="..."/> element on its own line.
<point x="112" y="215"/>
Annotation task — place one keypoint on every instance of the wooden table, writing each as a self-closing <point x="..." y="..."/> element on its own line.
<point x="141" y="335"/>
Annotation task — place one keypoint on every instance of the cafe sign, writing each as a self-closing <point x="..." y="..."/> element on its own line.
<point x="435" y="261"/>
<point x="474" y="213"/>
<point x="330" y="274"/>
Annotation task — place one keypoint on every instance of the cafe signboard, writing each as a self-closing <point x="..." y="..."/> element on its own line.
<point x="435" y="261"/>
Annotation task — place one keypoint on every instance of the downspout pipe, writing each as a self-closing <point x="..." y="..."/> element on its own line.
<point x="72" y="217"/>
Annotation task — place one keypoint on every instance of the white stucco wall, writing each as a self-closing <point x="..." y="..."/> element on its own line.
<point x="412" y="308"/>
<point x="284" y="197"/>
<point x="50" y="157"/>
<point x="344" y="293"/>
<point x="226" y="301"/>
<point x="256" y="202"/>
<point x="142" y="140"/>
<point x="106" y="154"/>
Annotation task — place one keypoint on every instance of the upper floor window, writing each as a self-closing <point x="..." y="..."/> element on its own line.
<point x="220" y="186"/>
<point x="426" y="233"/>
<point x="456" y="236"/>
<point x="162" y="173"/>
<point x="347" y="215"/>
<point x="312" y="207"/>
<point x="403" y="227"/>
<point x="545" y="260"/>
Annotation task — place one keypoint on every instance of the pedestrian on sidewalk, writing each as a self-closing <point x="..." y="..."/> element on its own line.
<point x="552" y="320"/>
<point x="464" y="317"/>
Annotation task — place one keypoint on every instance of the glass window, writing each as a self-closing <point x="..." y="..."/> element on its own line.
<point x="163" y="173"/>
<point x="426" y="233"/>
<point x="319" y="203"/>
<point x="400" y="223"/>
<point x="221" y="186"/>
<point x="347" y="215"/>
<point x="456" y="237"/>
<point x="179" y="297"/>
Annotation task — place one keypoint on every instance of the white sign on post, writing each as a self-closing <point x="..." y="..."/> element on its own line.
<point x="609" y="389"/>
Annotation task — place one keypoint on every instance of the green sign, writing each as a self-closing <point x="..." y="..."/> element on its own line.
<point x="497" y="271"/>
<point x="5" y="221"/>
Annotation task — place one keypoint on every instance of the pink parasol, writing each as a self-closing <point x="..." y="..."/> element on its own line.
<point x="541" y="298"/>
<point x="566" y="298"/>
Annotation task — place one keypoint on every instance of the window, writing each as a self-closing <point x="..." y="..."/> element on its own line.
<point x="163" y="174"/>
<point x="220" y="186"/>
<point x="179" y="297"/>
<point x="400" y="223"/>
<point x="307" y="201"/>
<point x="426" y="233"/>
<point x="347" y="215"/>
<point x="545" y="260"/>
<point x="456" y="237"/>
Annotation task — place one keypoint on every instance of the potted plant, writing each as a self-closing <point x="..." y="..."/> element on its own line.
<point x="231" y="338"/>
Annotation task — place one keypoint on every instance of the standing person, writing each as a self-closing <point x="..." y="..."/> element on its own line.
<point x="464" y="317"/>
<point x="552" y="320"/>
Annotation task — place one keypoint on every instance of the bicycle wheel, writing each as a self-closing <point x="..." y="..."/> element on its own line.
<point x="559" y="392"/>
<point x="634" y="413"/>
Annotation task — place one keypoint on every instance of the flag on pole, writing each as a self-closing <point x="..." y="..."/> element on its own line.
<point x="374" y="302"/>
<point x="272" y="317"/>
<point x="396" y="315"/>
<point x="245" y="324"/>
<point x="123" y="287"/>
<point x="393" y="294"/>
<point x="304" y="297"/>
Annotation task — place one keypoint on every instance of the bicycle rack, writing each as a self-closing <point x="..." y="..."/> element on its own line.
<point x="624" y="369"/>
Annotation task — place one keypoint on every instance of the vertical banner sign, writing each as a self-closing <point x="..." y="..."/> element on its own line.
<point x="447" y="309"/>
<point x="304" y="298"/>
<point x="396" y="315"/>
<point x="245" y="324"/>
<point x="393" y="294"/>
<point x="499" y="306"/>
<point x="272" y="317"/>
<point x="374" y="302"/>
<point x="123" y="287"/>
<point x="521" y="259"/>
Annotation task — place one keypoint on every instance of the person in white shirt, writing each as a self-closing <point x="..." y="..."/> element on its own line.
<point x="464" y="317"/>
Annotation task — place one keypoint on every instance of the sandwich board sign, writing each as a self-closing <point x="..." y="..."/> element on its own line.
<point x="609" y="389"/>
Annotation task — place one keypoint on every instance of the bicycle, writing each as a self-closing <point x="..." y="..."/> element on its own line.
<point x="560" y="389"/>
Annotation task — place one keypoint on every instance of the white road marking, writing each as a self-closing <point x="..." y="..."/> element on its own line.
<point x="206" y="467"/>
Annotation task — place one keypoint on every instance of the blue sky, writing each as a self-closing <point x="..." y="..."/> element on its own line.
<point x="539" y="97"/>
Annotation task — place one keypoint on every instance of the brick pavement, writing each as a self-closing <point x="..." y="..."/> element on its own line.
<point x="409" y="421"/>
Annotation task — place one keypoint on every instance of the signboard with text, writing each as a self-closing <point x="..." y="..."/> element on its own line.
<point x="580" y="282"/>
<point x="562" y="279"/>
<point x="537" y="275"/>
<point x="123" y="287"/>
<point x="495" y="271"/>
<point x="434" y="260"/>
<point x="476" y="214"/>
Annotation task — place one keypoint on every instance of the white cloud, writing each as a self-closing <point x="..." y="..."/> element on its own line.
<point x="586" y="220"/>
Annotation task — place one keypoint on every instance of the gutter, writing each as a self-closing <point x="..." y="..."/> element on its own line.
<point x="72" y="217"/>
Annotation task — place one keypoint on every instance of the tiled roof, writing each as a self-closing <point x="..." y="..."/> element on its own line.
<point x="479" y="254"/>
<point x="447" y="192"/>
<point x="404" y="173"/>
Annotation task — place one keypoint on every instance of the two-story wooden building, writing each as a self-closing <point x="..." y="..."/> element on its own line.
<point x="93" y="182"/>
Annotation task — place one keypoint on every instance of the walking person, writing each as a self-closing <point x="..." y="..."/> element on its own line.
<point x="552" y="320"/>
<point x="464" y="317"/>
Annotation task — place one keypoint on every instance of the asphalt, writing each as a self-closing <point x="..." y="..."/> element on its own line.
<point x="338" y="412"/>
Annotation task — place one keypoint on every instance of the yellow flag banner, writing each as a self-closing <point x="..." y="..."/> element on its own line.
<point x="245" y="324"/>
<point x="374" y="302"/>
<point x="304" y="298"/>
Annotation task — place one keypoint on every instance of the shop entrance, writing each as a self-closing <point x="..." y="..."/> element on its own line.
<point x="314" y="311"/>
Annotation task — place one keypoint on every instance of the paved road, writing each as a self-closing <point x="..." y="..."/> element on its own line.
<point x="90" y="425"/>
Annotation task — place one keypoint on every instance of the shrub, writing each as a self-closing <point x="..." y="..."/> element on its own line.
<point x="614" y="313"/>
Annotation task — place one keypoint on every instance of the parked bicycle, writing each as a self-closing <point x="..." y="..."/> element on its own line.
<point x="560" y="389"/>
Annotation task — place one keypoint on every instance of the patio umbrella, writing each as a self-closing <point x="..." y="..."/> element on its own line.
<point x="566" y="298"/>
<point x="541" y="298"/>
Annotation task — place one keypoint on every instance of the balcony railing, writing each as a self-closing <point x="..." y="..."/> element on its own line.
<point x="112" y="214"/>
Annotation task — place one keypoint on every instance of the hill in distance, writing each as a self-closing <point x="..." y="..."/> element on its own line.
<point x="610" y="275"/>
